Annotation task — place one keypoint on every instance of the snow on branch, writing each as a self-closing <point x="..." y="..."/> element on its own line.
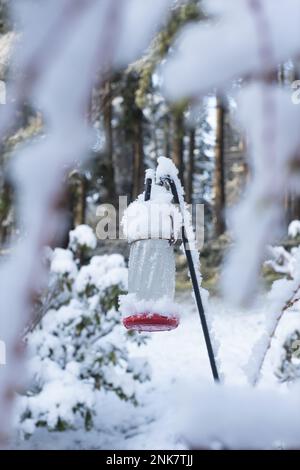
<point x="272" y="122"/>
<point x="247" y="38"/>
<point x="232" y="418"/>
<point x="244" y="38"/>
<point x="64" y="44"/>
<point x="283" y="296"/>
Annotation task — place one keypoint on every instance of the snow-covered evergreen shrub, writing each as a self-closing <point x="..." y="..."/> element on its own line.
<point x="82" y="241"/>
<point x="79" y="349"/>
<point x="289" y="368"/>
<point x="287" y="263"/>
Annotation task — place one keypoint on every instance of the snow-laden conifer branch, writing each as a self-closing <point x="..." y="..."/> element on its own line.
<point x="64" y="44"/>
<point x="209" y="56"/>
<point x="39" y="183"/>
<point x="284" y="294"/>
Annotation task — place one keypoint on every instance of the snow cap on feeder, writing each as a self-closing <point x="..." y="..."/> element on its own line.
<point x="152" y="225"/>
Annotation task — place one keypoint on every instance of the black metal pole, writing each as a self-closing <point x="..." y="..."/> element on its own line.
<point x="148" y="187"/>
<point x="196" y="289"/>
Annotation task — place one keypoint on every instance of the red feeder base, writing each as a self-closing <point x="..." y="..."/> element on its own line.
<point x="150" y="322"/>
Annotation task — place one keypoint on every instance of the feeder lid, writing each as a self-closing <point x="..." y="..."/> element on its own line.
<point x="157" y="218"/>
<point x="150" y="322"/>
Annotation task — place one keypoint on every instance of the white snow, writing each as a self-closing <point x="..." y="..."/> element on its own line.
<point x="102" y="32"/>
<point x="62" y="262"/>
<point x="258" y="218"/>
<point x="294" y="228"/>
<point x="180" y="369"/>
<point x="243" y="418"/>
<point x="165" y="168"/>
<point x="282" y="261"/>
<point x="130" y="305"/>
<point x="282" y="293"/>
<point x="179" y="358"/>
<point x="139" y="22"/>
<point x="102" y="272"/>
<point x="209" y="55"/>
<point x="83" y="236"/>
<point x="156" y="218"/>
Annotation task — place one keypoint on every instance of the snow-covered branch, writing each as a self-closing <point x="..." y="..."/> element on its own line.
<point x="272" y="122"/>
<point x="64" y="44"/>
<point x="242" y="418"/>
<point x="244" y="38"/>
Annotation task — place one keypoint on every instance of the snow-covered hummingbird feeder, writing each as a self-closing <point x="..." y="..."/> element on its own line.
<point x="153" y="224"/>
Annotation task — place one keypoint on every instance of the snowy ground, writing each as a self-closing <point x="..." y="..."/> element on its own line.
<point x="178" y="360"/>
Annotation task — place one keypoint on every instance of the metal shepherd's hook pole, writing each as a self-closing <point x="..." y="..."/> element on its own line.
<point x="192" y="271"/>
<point x="195" y="284"/>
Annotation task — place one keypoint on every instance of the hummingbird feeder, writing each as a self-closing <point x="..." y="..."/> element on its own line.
<point x="154" y="224"/>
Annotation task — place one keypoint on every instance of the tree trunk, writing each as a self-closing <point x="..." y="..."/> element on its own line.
<point x="167" y="149"/>
<point x="191" y="165"/>
<point x="6" y="213"/>
<point x="296" y="208"/>
<point x="219" y="179"/>
<point x="177" y="148"/>
<point x="107" y="119"/>
<point x="293" y="209"/>
<point x="138" y="155"/>
<point x="128" y="135"/>
<point x="77" y="198"/>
